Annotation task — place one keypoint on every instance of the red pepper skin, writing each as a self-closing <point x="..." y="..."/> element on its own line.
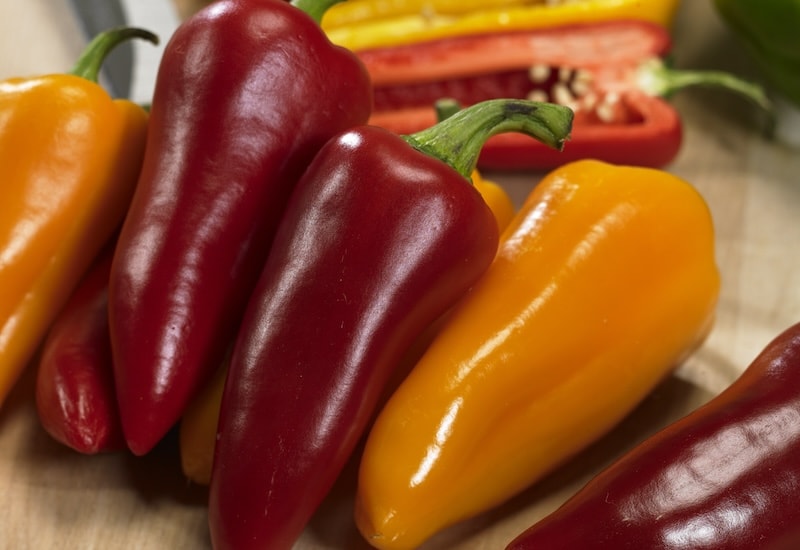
<point x="725" y="477"/>
<point x="75" y="396"/>
<point x="377" y="241"/>
<point x="648" y="132"/>
<point x="247" y="92"/>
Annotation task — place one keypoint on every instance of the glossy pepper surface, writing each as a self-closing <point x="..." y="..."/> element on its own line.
<point x="198" y="428"/>
<point x="70" y="156"/>
<point x="75" y="396"/>
<point x="611" y="73"/>
<point x="246" y="92"/>
<point x="356" y="24"/>
<point x="379" y="239"/>
<point x="604" y="281"/>
<point x="725" y="477"/>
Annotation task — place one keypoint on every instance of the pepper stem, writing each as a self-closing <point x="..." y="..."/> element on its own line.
<point x="91" y="60"/>
<point x="656" y="78"/>
<point x="458" y="139"/>
<point x="445" y="108"/>
<point x="314" y="8"/>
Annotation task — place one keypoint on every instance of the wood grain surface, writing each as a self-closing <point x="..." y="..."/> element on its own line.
<point x="51" y="497"/>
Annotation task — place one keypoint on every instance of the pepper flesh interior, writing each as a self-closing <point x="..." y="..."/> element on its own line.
<point x="570" y="86"/>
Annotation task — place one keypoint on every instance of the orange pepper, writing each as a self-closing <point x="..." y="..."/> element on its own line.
<point x="70" y="157"/>
<point x="603" y="283"/>
<point x="198" y="426"/>
<point x="496" y="198"/>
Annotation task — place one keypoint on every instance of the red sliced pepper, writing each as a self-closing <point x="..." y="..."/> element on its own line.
<point x="724" y="477"/>
<point x="247" y="92"/>
<point x="75" y="396"/>
<point x="379" y="239"/>
<point x="608" y="72"/>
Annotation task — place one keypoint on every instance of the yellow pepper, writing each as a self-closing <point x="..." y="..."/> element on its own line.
<point x="603" y="283"/>
<point x="198" y="427"/>
<point x="360" y="11"/>
<point x="496" y="199"/>
<point x="197" y="433"/>
<point x="477" y="18"/>
<point x="70" y="157"/>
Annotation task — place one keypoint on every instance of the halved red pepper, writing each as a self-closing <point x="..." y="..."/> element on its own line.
<point x="75" y="396"/>
<point x="609" y="72"/>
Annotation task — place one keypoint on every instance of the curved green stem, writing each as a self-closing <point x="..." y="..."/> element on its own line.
<point x="655" y="78"/>
<point x="314" y="8"/>
<point x="91" y="60"/>
<point x="458" y="139"/>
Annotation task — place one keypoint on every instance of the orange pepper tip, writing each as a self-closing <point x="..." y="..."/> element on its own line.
<point x="383" y="529"/>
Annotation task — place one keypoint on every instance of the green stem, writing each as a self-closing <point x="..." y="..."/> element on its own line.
<point x="655" y="78"/>
<point x="458" y="139"/>
<point x="91" y="60"/>
<point x="314" y="8"/>
<point x="445" y="108"/>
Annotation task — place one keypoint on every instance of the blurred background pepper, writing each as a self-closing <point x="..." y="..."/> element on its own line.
<point x="769" y="29"/>
<point x="70" y="156"/>
<point x="357" y="25"/>
<point x="610" y="73"/>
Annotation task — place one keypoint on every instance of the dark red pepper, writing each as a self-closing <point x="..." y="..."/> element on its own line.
<point x="725" y="477"/>
<point x="609" y="72"/>
<point x="75" y="396"/>
<point x="380" y="238"/>
<point x="247" y="92"/>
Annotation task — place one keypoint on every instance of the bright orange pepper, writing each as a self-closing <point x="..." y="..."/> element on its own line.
<point x="70" y="157"/>
<point x="198" y="427"/>
<point x="603" y="283"/>
<point x="403" y="25"/>
<point x="496" y="198"/>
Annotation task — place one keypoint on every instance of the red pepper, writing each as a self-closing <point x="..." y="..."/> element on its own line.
<point x="75" y="395"/>
<point x="609" y="72"/>
<point x="379" y="239"/>
<point x="247" y="91"/>
<point x="724" y="477"/>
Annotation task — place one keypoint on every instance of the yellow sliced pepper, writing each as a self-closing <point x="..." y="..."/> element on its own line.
<point x="603" y="283"/>
<point x="71" y="157"/>
<point x="360" y="11"/>
<point x="431" y="25"/>
<point x="198" y="428"/>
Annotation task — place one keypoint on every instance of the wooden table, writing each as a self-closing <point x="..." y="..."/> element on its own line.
<point x="54" y="498"/>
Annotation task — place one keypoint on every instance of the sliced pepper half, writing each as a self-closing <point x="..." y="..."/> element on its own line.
<point x="610" y="73"/>
<point x="365" y="24"/>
